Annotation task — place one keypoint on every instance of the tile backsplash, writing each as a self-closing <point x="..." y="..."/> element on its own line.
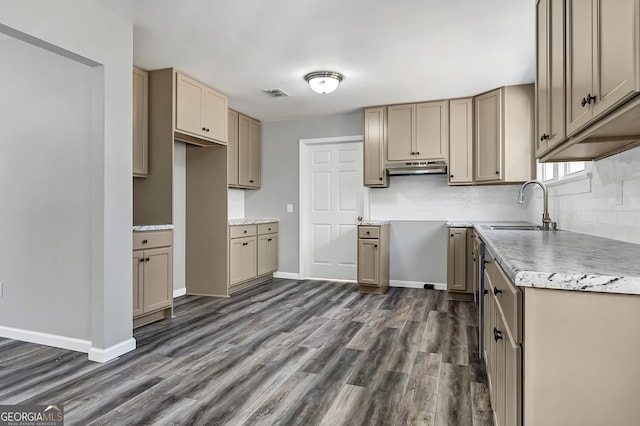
<point x="607" y="204"/>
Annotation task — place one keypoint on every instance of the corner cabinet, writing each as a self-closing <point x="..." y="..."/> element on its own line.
<point x="461" y="141"/>
<point x="152" y="276"/>
<point x="140" y="135"/>
<point x="504" y="135"/>
<point x="375" y="174"/>
<point x="373" y="258"/>
<point x="244" y="152"/>
<point x="253" y="254"/>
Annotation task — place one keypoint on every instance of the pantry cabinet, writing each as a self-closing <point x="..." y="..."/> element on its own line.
<point x="503" y="127"/>
<point x="418" y="131"/>
<point x="152" y="276"/>
<point x="375" y="174"/>
<point x="140" y="123"/>
<point x="603" y="58"/>
<point x="461" y="141"/>
<point x="201" y="111"/>
<point x="550" y="75"/>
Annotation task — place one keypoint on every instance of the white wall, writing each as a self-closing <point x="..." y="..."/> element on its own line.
<point x="236" y="203"/>
<point x="606" y="205"/>
<point x="179" y="216"/>
<point x="428" y="197"/>
<point x="82" y="187"/>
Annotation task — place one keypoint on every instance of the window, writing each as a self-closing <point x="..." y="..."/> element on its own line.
<point x="557" y="172"/>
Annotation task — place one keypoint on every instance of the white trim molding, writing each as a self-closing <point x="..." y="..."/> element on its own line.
<point x="105" y="355"/>
<point x="416" y="284"/>
<point x="287" y="275"/>
<point x="179" y="292"/>
<point x="70" y="343"/>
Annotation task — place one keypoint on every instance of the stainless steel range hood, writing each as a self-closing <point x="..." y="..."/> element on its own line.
<point x="416" y="167"/>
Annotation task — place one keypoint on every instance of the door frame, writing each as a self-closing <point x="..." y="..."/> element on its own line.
<point x="304" y="210"/>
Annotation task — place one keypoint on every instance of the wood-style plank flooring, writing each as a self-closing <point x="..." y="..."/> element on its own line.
<point x="283" y="353"/>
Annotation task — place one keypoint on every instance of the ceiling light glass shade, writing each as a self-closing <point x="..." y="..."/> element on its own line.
<point x="323" y="82"/>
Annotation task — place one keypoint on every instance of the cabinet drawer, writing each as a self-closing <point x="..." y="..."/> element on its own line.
<point x="242" y="231"/>
<point x="151" y="239"/>
<point x="508" y="299"/>
<point x="267" y="228"/>
<point x="368" y="231"/>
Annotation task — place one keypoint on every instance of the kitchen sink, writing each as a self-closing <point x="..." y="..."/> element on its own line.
<point x="514" y="227"/>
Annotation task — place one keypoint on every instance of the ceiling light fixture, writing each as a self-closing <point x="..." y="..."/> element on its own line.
<point x="323" y="82"/>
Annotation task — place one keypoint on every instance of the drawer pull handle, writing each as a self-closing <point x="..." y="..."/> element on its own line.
<point x="142" y="259"/>
<point x="269" y="239"/>
<point x="250" y="181"/>
<point x="496" y="291"/>
<point x="145" y="241"/>
<point x="544" y="137"/>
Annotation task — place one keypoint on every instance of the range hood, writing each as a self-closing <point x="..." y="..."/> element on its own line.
<point x="416" y="167"/>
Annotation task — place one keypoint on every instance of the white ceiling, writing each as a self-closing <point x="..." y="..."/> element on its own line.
<point x="388" y="51"/>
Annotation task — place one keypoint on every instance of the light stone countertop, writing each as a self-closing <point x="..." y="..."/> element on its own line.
<point x="564" y="260"/>
<point x="240" y="222"/>
<point x="374" y="222"/>
<point x="142" y="228"/>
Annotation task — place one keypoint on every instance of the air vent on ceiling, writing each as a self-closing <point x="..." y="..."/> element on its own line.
<point x="276" y="93"/>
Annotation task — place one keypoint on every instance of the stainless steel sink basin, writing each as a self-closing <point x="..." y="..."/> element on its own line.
<point x="514" y="227"/>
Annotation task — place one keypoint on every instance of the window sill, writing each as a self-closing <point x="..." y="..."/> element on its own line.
<point x="580" y="184"/>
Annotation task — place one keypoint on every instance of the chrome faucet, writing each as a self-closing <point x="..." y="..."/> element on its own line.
<point x="547" y="224"/>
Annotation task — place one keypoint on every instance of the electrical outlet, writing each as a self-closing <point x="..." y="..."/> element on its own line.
<point x="289" y="208"/>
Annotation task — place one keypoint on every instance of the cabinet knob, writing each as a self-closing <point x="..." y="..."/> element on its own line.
<point x="269" y="229"/>
<point x="250" y="181"/>
<point x="451" y="235"/>
<point x="146" y="259"/>
<point x="141" y="259"/>
<point x="368" y="232"/>
<point x="496" y="291"/>
<point x="450" y="176"/>
<point x="145" y="241"/>
<point x="245" y="231"/>
<point x="380" y="178"/>
<point x="375" y="246"/>
<point x="497" y="172"/>
<point x="497" y="334"/>
<point x="544" y="137"/>
<point x="269" y="239"/>
<point x="485" y="292"/>
<point x="204" y="128"/>
<point x="417" y="153"/>
<point x="207" y="130"/>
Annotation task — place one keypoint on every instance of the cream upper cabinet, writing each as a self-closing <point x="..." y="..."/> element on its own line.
<point x="504" y="135"/>
<point x="200" y="110"/>
<point x="603" y="58"/>
<point x="375" y="174"/>
<point x="140" y="122"/>
<point x="232" y="149"/>
<point x="417" y="131"/>
<point x="461" y="141"/>
<point x="249" y="152"/>
<point x="550" y="75"/>
<point x="488" y="127"/>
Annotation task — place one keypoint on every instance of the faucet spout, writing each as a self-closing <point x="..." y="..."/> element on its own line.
<point x="547" y="223"/>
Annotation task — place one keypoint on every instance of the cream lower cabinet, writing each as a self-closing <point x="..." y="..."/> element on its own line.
<point x="253" y="254"/>
<point x="152" y="276"/>
<point x="460" y="263"/>
<point x="373" y="258"/>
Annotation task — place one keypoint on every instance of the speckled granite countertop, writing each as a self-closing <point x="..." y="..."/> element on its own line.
<point x="563" y="260"/>
<point x="139" y="228"/>
<point x="374" y="222"/>
<point x="239" y="222"/>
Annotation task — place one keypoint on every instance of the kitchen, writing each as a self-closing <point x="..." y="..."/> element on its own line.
<point x="601" y="201"/>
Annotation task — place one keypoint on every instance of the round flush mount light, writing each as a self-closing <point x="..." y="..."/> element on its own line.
<point x="323" y="82"/>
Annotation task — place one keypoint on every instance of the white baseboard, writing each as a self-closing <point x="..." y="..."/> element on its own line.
<point x="416" y="284"/>
<point x="287" y="275"/>
<point x="104" y="355"/>
<point x="179" y="292"/>
<point x="71" y="343"/>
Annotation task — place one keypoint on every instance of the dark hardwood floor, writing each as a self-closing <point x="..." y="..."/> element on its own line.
<point x="286" y="352"/>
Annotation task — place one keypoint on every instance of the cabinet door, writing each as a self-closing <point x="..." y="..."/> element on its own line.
<point x="242" y="259"/>
<point x="488" y="133"/>
<point x="579" y="62"/>
<point x="138" y="278"/>
<point x="401" y="129"/>
<point x="500" y="393"/>
<point x="432" y="129"/>
<point x="249" y="259"/>
<point x="489" y="324"/>
<point x="374" y="170"/>
<point x="470" y="262"/>
<point x="140" y="122"/>
<point x="461" y="141"/>
<point x="214" y="115"/>
<point x="456" y="260"/>
<point x="513" y="382"/>
<point x="617" y="53"/>
<point x="158" y="279"/>
<point x="189" y="95"/>
<point x="368" y="262"/>
<point x="542" y="76"/>
<point x="556" y="74"/>
<point x="267" y="253"/>
<point x="232" y="149"/>
<point x="249" y="152"/>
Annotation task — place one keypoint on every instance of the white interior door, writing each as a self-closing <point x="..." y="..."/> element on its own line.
<point x="334" y="192"/>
